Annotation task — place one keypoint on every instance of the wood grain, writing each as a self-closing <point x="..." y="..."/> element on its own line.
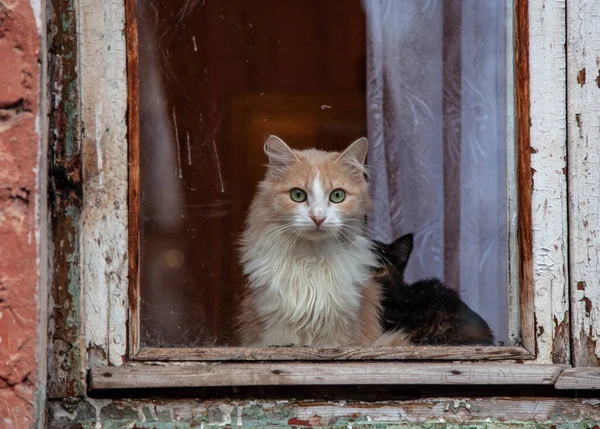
<point x="340" y="353"/>
<point x="579" y="378"/>
<point x="131" y="32"/>
<point x="524" y="176"/>
<point x="296" y="373"/>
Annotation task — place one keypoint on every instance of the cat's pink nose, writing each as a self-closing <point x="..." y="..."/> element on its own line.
<point x="317" y="220"/>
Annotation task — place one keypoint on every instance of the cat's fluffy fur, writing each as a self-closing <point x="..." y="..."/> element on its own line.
<point x="310" y="284"/>
<point x="427" y="311"/>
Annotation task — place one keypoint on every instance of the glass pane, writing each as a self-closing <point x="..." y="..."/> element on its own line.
<point x="217" y="77"/>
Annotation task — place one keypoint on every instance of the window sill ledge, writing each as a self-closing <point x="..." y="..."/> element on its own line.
<point x="188" y="374"/>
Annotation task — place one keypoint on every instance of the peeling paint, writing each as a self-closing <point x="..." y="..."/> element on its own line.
<point x="584" y="181"/>
<point x="65" y="357"/>
<point x="104" y="228"/>
<point x="462" y="412"/>
<point x="549" y="199"/>
<point x="581" y="77"/>
<point x="560" y="349"/>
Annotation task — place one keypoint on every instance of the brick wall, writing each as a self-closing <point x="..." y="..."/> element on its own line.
<point x="19" y="103"/>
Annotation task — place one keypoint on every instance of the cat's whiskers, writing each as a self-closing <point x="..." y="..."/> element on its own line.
<point x="280" y="229"/>
<point x="346" y="237"/>
<point x="293" y="243"/>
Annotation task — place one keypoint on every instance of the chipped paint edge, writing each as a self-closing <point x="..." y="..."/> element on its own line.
<point x="583" y="125"/>
<point x="66" y="357"/>
<point x="185" y="413"/>
<point x="547" y="28"/>
<point x="105" y="162"/>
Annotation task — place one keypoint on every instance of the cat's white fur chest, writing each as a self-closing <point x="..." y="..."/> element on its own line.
<point x="307" y="292"/>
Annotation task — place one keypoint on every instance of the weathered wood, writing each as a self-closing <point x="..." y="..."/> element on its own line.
<point x="66" y="359"/>
<point x="579" y="378"/>
<point x="547" y="136"/>
<point x="297" y="373"/>
<point x="103" y="110"/>
<point x="333" y="353"/>
<point x="444" y="412"/>
<point x="134" y="177"/>
<point x="524" y="230"/>
<point x="583" y="94"/>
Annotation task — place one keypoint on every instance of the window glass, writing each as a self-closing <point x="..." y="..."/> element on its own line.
<point x="425" y="81"/>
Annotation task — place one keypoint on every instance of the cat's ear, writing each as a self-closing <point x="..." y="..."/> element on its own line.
<point x="355" y="155"/>
<point x="401" y="250"/>
<point x="381" y="251"/>
<point x="280" y="155"/>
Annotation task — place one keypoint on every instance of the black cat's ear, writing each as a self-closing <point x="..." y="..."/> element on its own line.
<point x="382" y="251"/>
<point x="400" y="250"/>
<point x="280" y="155"/>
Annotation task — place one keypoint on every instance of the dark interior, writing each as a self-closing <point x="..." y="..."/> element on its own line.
<point x="216" y="78"/>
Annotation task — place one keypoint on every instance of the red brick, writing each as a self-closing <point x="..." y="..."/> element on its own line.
<point x="19" y="98"/>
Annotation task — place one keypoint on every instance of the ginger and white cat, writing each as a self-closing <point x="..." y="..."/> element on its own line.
<point x="306" y="255"/>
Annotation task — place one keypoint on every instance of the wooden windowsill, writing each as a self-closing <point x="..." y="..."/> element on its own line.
<point x="186" y="374"/>
<point x="579" y="379"/>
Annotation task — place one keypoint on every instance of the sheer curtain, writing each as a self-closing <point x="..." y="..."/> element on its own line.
<point x="437" y="117"/>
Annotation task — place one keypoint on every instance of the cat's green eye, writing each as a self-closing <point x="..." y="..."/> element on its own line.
<point x="298" y="195"/>
<point x="337" y="196"/>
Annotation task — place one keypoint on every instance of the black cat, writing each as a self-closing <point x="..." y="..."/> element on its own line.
<point x="428" y="311"/>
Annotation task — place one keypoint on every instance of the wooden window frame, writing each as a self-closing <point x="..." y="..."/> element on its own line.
<point x="524" y="228"/>
<point x="114" y="328"/>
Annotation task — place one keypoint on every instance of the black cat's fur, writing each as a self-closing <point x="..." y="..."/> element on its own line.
<point x="428" y="311"/>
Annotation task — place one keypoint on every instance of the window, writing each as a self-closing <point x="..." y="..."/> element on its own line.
<point x="111" y="322"/>
<point x="214" y="80"/>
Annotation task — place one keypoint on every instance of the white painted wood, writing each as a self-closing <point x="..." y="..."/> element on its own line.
<point x="104" y="245"/>
<point x="548" y="160"/>
<point x="289" y="373"/>
<point x="579" y="379"/>
<point x="583" y="121"/>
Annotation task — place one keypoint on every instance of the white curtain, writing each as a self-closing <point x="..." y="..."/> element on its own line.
<point x="437" y="117"/>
